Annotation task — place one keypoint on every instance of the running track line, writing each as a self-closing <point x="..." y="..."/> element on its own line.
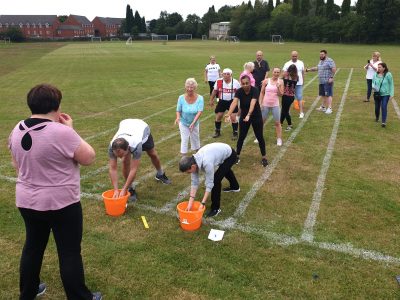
<point x="308" y="231"/>
<point x="396" y="108"/>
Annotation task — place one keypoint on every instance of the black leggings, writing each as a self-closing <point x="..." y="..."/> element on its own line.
<point x="66" y="224"/>
<point x="286" y="102"/>
<point x="211" y="84"/>
<point x="258" y="131"/>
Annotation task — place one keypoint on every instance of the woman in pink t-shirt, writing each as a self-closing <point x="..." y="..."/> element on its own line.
<point x="247" y="70"/>
<point x="46" y="153"/>
<point x="271" y="90"/>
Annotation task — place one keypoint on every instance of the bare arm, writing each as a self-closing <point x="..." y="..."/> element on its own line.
<point x="231" y="109"/>
<point x="112" y="170"/>
<point x="262" y="92"/>
<point x="205" y="76"/>
<point x="84" y="154"/>
<point x="131" y="176"/>
<point x="212" y="96"/>
<point x="178" y="117"/>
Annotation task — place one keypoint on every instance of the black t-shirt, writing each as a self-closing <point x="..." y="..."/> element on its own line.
<point x="245" y="100"/>
<point x="260" y="68"/>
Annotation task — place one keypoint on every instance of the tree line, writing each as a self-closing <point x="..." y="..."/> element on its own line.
<point x="368" y="21"/>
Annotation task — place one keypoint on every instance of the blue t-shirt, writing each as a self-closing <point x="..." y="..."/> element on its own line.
<point x="189" y="111"/>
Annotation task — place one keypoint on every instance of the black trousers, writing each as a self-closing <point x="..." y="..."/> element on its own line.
<point x="211" y="84"/>
<point x="286" y="102"/>
<point x="244" y="127"/>
<point x="224" y="170"/>
<point x="66" y="225"/>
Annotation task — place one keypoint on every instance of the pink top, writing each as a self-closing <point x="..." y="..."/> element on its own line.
<point x="271" y="98"/>
<point x="252" y="80"/>
<point x="48" y="177"/>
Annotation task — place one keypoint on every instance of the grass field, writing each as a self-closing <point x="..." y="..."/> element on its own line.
<point x="320" y="222"/>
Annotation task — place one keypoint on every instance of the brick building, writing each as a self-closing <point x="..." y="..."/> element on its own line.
<point x="32" y="26"/>
<point x="75" y="26"/>
<point x="107" y="27"/>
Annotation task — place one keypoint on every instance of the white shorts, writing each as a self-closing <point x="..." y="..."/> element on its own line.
<point x="193" y="136"/>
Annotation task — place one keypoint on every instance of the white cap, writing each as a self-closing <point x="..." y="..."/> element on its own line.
<point x="227" y="71"/>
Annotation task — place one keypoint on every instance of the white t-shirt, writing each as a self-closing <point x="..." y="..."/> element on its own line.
<point x="212" y="72"/>
<point x="226" y="91"/>
<point x="136" y="132"/>
<point x="300" y="68"/>
<point x="370" y="71"/>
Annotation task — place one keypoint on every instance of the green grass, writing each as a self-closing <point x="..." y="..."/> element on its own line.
<point x="360" y="205"/>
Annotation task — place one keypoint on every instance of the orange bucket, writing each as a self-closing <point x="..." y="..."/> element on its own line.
<point x="190" y="220"/>
<point x="115" y="206"/>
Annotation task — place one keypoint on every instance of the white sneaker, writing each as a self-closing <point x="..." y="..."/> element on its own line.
<point x="256" y="141"/>
<point x="328" y="111"/>
<point x="301" y="115"/>
<point x="321" y="108"/>
<point x="279" y="142"/>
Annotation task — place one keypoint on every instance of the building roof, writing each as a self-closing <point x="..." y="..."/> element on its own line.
<point x="69" y="27"/>
<point x="110" y="21"/>
<point x="81" y="19"/>
<point x="17" y="19"/>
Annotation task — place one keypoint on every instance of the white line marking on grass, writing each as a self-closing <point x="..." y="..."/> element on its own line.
<point x="308" y="234"/>
<point x="125" y="105"/>
<point x="9" y="179"/>
<point x="396" y="108"/>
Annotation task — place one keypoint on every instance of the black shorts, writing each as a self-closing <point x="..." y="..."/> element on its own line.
<point x="224" y="105"/>
<point x="149" y="144"/>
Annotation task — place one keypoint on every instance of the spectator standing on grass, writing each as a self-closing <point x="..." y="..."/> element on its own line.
<point x="289" y="88"/>
<point x="247" y="96"/>
<point x="216" y="161"/>
<point x="225" y="88"/>
<point x="247" y="70"/>
<point x="300" y="73"/>
<point x="188" y="111"/>
<point x="261" y="69"/>
<point x="132" y="138"/>
<point x="46" y="152"/>
<point x="271" y="90"/>
<point x="382" y="84"/>
<point x="371" y="67"/>
<point x="326" y="71"/>
<point x="212" y="72"/>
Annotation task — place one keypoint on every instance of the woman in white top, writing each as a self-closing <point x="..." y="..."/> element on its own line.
<point x="271" y="89"/>
<point x="212" y="72"/>
<point x="371" y="67"/>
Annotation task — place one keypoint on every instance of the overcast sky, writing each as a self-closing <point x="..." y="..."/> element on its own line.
<point x="150" y="9"/>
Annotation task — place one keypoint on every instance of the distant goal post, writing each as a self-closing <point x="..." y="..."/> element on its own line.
<point x="129" y="41"/>
<point x="277" y="39"/>
<point x="204" y="37"/>
<point x="159" y="37"/>
<point x="183" y="36"/>
<point x="95" y="39"/>
<point x="7" y="40"/>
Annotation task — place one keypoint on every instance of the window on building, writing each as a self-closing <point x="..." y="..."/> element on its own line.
<point x="47" y="25"/>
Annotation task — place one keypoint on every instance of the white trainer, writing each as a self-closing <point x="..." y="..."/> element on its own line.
<point x="301" y="116"/>
<point x="256" y="141"/>
<point x="279" y="142"/>
<point x="328" y="111"/>
<point x="321" y="108"/>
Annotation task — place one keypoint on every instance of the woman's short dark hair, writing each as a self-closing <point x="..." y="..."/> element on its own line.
<point x="384" y="66"/>
<point x="186" y="163"/>
<point x="44" y="98"/>
<point x="119" y="143"/>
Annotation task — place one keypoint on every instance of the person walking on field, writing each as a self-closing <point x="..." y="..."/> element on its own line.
<point x="188" y="111"/>
<point x="212" y="72"/>
<point x="271" y="90"/>
<point x="46" y="153"/>
<point x="247" y="70"/>
<point x="132" y="138"/>
<point x="326" y="71"/>
<point x="216" y="161"/>
<point x="300" y="73"/>
<point x="247" y="97"/>
<point x="261" y="69"/>
<point x="383" y="86"/>
<point x="372" y="68"/>
<point x="225" y="88"/>
<point x="289" y="82"/>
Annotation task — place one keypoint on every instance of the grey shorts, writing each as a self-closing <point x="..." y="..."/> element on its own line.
<point x="276" y="113"/>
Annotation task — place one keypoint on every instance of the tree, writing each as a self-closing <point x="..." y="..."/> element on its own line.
<point x="62" y="18"/>
<point x="329" y="13"/>
<point x="305" y="7"/>
<point x="319" y="8"/>
<point x="208" y="18"/>
<point x="360" y="7"/>
<point x="270" y="8"/>
<point x="14" y="33"/>
<point x="137" y="21"/>
<point x="278" y="2"/>
<point x="191" y="25"/>
<point x="173" y="19"/>
<point x="296" y="7"/>
<point x="152" y="25"/>
<point x="129" y="19"/>
<point x="345" y="7"/>
<point x="143" y="27"/>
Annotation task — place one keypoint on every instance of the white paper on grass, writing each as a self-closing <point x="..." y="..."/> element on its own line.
<point x="216" y="235"/>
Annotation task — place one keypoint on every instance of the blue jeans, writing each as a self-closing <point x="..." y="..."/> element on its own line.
<point x="381" y="102"/>
<point x="369" y="88"/>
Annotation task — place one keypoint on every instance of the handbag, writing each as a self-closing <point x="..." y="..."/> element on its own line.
<point x="377" y="94"/>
